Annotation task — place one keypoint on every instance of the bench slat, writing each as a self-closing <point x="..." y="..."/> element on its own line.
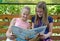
<point x="4" y="23"/>
<point x="52" y="37"/>
<point x="56" y="16"/>
<point x="3" y="30"/>
<point x="12" y="16"/>
<point x="56" y="24"/>
<point x="8" y="16"/>
<point x="55" y="37"/>
<point x="2" y="38"/>
<point x="54" y="30"/>
<point x="7" y="23"/>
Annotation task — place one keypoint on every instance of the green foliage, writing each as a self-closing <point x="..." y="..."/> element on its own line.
<point x="55" y="1"/>
<point x="54" y="10"/>
<point x="15" y="9"/>
<point x="24" y="1"/>
<point x="9" y="9"/>
<point x="58" y="9"/>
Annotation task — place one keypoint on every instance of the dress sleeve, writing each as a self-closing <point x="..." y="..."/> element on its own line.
<point x="50" y="19"/>
<point x="33" y="18"/>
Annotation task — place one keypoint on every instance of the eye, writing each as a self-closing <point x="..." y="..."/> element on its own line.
<point x="23" y="13"/>
<point x="39" y="11"/>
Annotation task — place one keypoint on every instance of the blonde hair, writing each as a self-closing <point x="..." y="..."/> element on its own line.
<point x="26" y="7"/>
<point x="45" y="16"/>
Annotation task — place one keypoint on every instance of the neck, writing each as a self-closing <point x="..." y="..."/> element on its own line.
<point x="23" y="19"/>
<point x="39" y="18"/>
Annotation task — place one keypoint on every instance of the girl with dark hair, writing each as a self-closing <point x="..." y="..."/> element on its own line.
<point x="41" y="18"/>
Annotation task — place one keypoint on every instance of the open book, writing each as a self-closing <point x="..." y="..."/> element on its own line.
<point x="31" y="33"/>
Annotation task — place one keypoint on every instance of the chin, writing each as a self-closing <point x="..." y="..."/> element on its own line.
<point x="40" y="16"/>
<point x="25" y="19"/>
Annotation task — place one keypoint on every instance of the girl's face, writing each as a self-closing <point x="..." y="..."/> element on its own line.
<point x="39" y="12"/>
<point x="25" y="14"/>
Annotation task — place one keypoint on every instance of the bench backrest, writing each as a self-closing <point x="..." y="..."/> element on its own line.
<point x="6" y="21"/>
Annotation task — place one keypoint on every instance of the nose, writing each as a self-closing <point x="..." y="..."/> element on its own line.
<point x="25" y="16"/>
<point x="39" y="13"/>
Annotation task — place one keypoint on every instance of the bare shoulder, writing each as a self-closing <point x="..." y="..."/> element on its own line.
<point x="14" y="19"/>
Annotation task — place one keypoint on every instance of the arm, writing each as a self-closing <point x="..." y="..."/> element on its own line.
<point x="50" y="31"/>
<point x="29" y="26"/>
<point x="50" y="25"/>
<point x="50" y="28"/>
<point x="33" y="18"/>
<point x="9" y="29"/>
<point x="32" y="25"/>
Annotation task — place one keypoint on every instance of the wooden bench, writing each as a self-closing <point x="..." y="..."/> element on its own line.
<point x="7" y="19"/>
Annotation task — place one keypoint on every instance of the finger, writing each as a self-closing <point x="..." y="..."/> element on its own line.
<point x="12" y="34"/>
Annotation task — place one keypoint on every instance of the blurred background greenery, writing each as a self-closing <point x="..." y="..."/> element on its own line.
<point x="15" y="9"/>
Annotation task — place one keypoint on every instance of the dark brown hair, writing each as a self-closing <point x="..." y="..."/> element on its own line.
<point x="42" y="5"/>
